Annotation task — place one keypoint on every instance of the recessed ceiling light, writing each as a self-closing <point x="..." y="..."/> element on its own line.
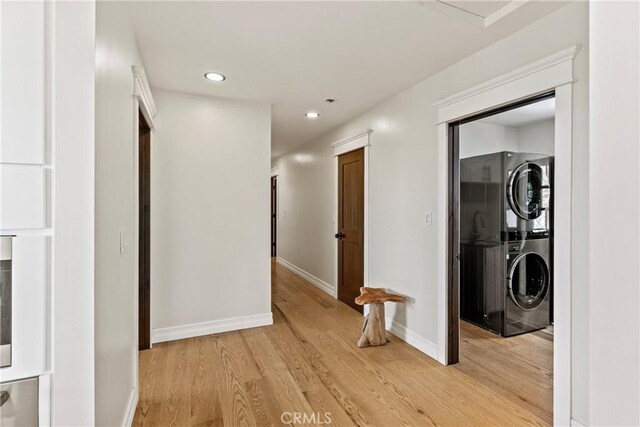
<point x="215" y="77"/>
<point x="312" y="115"/>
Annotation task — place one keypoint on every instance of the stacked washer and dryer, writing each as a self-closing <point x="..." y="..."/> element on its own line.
<point x="506" y="231"/>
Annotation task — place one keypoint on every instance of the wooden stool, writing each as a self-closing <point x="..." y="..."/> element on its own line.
<point x="373" y="331"/>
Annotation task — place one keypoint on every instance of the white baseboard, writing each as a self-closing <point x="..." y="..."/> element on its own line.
<point x="131" y="408"/>
<point x="575" y="423"/>
<point x="418" y="341"/>
<point x="213" y="327"/>
<point x="44" y="399"/>
<point x="331" y="290"/>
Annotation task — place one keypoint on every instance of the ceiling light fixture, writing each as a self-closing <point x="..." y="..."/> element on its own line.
<point x="215" y="77"/>
<point x="312" y="115"/>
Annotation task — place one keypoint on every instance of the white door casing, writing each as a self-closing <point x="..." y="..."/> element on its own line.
<point x="554" y="72"/>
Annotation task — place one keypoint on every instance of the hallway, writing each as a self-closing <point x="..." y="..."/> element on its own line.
<point x="308" y="362"/>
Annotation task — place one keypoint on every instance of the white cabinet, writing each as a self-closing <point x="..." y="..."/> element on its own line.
<point x="22" y="73"/>
<point x="22" y="197"/>
<point x="29" y="270"/>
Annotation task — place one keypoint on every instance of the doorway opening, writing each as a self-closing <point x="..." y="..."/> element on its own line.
<point x="500" y="268"/>
<point x="274" y="216"/>
<point x="144" y="230"/>
<point x="351" y="226"/>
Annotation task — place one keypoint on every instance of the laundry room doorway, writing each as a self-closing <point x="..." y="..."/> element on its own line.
<point x="501" y="274"/>
<point x="553" y="74"/>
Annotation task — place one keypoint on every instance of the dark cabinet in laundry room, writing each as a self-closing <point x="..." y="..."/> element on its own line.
<point x="481" y="302"/>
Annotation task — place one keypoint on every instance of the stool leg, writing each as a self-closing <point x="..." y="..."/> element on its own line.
<point x="373" y="333"/>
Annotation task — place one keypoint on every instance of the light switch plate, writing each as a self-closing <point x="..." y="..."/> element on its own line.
<point x="123" y="241"/>
<point x="429" y="218"/>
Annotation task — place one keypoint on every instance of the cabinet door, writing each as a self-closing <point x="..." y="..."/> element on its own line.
<point x="22" y="197"/>
<point x="22" y="82"/>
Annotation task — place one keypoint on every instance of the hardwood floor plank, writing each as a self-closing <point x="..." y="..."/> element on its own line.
<point x="262" y="413"/>
<point x="246" y="365"/>
<point x="236" y="409"/>
<point x="283" y="386"/>
<point x="205" y="392"/>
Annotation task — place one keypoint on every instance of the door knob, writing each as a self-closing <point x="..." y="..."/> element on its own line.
<point x="339" y="235"/>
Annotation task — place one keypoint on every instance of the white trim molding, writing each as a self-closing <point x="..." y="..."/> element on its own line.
<point x="142" y="103"/>
<point x="503" y="12"/>
<point x="352" y="143"/>
<point x="213" y="327"/>
<point x="539" y="76"/>
<point x="319" y="283"/>
<point x="413" y="339"/>
<point x="44" y="399"/>
<point x="467" y="16"/>
<point x="552" y="73"/>
<point x="131" y="408"/>
<point x="142" y="91"/>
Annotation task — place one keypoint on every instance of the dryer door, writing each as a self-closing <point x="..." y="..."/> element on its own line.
<point x="528" y="192"/>
<point x="528" y="280"/>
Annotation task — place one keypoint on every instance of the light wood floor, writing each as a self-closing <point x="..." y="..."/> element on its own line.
<point x="308" y="362"/>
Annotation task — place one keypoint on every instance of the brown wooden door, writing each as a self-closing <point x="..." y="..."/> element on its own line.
<point x="350" y="226"/>
<point x="274" y="214"/>
<point x="144" y="226"/>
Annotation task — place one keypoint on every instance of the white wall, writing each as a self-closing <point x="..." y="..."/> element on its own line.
<point x="477" y="138"/>
<point x="305" y="214"/>
<point x="70" y="124"/>
<point x="210" y="208"/>
<point x="537" y="137"/>
<point x="115" y="276"/>
<point x="614" y="332"/>
<point x="403" y="176"/>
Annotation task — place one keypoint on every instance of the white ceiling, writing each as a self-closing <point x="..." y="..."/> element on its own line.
<point x="295" y="54"/>
<point x="523" y="116"/>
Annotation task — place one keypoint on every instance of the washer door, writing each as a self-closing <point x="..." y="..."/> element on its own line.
<point x="526" y="191"/>
<point x="528" y="280"/>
